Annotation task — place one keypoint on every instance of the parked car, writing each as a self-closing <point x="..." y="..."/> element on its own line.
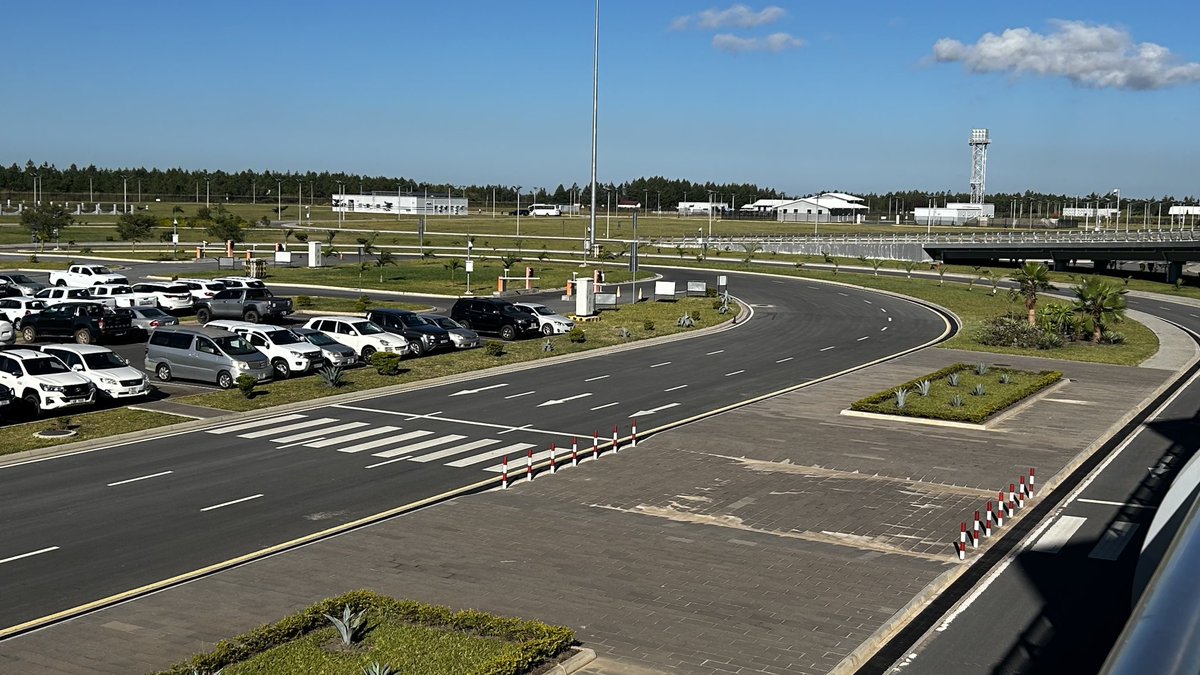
<point x="519" y="212"/>
<point x="423" y="335"/>
<point x="56" y="294"/>
<point x="43" y="382"/>
<point x="205" y="354"/>
<point x="10" y="291"/>
<point x="169" y="295"/>
<point x="336" y="353"/>
<point x="117" y="295"/>
<point x="109" y="372"/>
<point x="549" y="322"/>
<point x="363" y="336"/>
<point x="489" y="315"/>
<point x="202" y="289"/>
<point x="149" y="318"/>
<point x="247" y="304"/>
<point x="241" y="282"/>
<point x="16" y="309"/>
<point x="26" y="285"/>
<point x="7" y="397"/>
<point x="288" y="353"/>
<point x="86" y="275"/>
<point x="86" y="322"/>
<point x="8" y="334"/>
<point x="463" y="338"/>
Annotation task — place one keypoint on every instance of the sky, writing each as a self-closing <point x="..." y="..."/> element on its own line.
<point x="1079" y="97"/>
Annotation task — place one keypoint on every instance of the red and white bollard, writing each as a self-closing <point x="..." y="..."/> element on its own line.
<point x="1012" y="508"/>
<point x="504" y="474"/>
<point x="1012" y="494"/>
<point x="962" y="536"/>
<point x="553" y="466"/>
<point x="1000" y="511"/>
<point x="616" y="447"/>
<point x="987" y="523"/>
<point x="1021" y="493"/>
<point x="633" y="436"/>
<point x="574" y="452"/>
<point x="962" y="551"/>
<point x="595" y="445"/>
<point x="975" y="532"/>
<point x="529" y="466"/>
<point x="1031" y="480"/>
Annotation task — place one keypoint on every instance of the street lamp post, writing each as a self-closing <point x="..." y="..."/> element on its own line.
<point x="125" y="185"/>
<point x="710" y="214"/>
<point x="279" y="199"/>
<point x="206" y="193"/>
<point x="299" y="200"/>
<point x="517" y="189"/>
<point x="1117" y="192"/>
<point x="174" y="237"/>
<point x="342" y="205"/>
<point x="139" y="190"/>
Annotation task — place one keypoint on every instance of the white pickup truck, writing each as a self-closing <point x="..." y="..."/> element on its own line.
<point x="117" y="295"/>
<point x="86" y="275"/>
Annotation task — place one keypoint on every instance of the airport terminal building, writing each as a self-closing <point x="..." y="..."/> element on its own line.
<point x="401" y="203"/>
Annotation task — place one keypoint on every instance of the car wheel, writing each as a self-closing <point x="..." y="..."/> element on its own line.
<point x="83" y="336"/>
<point x="252" y="316"/>
<point x="367" y="352"/>
<point x="416" y="347"/>
<point x="464" y="323"/>
<point x="547" y="329"/>
<point x="282" y="371"/>
<point x="29" y="333"/>
<point x="163" y="372"/>
<point x="203" y="316"/>
<point x="33" y="404"/>
<point x="60" y="282"/>
<point x="224" y="380"/>
<point x="508" y="333"/>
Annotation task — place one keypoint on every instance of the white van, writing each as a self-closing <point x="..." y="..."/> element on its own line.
<point x="544" y="210"/>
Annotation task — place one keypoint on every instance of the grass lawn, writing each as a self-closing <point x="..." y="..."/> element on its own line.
<point x="318" y="305"/>
<point x="598" y="334"/>
<point x="960" y="393"/>
<point x="19" y="437"/>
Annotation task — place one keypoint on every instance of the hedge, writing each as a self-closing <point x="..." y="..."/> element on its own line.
<point x="534" y="641"/>
<point x="994" y="403"/>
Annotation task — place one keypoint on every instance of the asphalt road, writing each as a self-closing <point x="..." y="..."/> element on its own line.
<point x="83" y="527"/>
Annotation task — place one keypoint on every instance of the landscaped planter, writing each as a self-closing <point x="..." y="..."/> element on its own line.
<point x="980" y="395"/>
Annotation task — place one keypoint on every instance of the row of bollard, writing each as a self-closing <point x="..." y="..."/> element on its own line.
<point x="1017" y="494"/>
<point x="615" y="446"/>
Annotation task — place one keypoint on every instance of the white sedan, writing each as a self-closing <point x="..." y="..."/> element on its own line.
<point x="548" y="322"/>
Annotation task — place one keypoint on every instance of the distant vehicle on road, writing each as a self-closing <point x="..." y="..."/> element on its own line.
<point x="519" y="212"/>
<point x="111" y="374"/>
<point x="544" y="210"/>
<point x="86" y="275"/>
<point x="86" y="322"/>
<point x="23" y="283"/>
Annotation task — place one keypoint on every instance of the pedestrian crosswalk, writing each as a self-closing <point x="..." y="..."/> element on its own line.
<point x="387" y="442"/>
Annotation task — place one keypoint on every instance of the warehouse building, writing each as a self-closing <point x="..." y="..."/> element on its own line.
<point x="401" y="203"/>
<point x="828" y="207"/>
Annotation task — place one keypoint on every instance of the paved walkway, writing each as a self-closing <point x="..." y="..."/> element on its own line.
<point x="772" y="539"/>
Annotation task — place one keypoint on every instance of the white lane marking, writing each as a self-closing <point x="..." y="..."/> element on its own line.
<point x="1072" y="401"/>
<point x="230" y="503"/>
<point x="1114" y="540"/>
<point x="476" y="391"/>
<point x="784" y="360"/>
<point x="1166" y="308"/>
<point x="814" y="288"/>
<point x="889" y="318"/>
<point x="417" y="447"/>
<point x="134" y="480"/>
<point x="1058" y="534"/>
<point x="456" y="450"/>
<point x="1121" y="504"/>
<point x="558" y="401"/>
<point x="598" y="377"/>
<point x="844" y="295"/>
<point x="288" y="427"/>
<point x="868" y="302"/>
<point x="664" y="363"/>
<point x="653" y="410"/>
<point x="607" y="405"/>
<point x="1194" y="316"/>
<point x="719" y="351"/>
<point x="675" y="388"/>
<point x="380" y="442"/>
<point x="256" y="423"/>
<point x="736" y="372"/>
<point x="884" y="309"/>
<point x="30" y="554"/>
<point x="825" y="349"/>
<point x="492" y="454"/>
<point x="308" y="435"/>
<point x="388" y="461"/>
<point x="326" y="442"/>
<point x="862" y="338"/>
<point x="883" y="329"/>
<point x="474" y="423"/>
<point x="524" y="393"/>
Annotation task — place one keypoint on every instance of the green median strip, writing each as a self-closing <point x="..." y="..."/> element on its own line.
<point x="87" y="426"/>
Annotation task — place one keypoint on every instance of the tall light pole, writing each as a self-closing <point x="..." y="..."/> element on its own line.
<point x="252" y="196"/>
<point x="91" y="192"/>
<point x="139" y="190"/>
<point x="125" y="184"/>
<point x="646" y="203"/>
<point x="591" y="242"/>
<point x="278" y="199"/>
<point x="299" y="200"/>
<point x="710" y="214"/>
<point x="1117" y="192"/>
<point x="607" y="212"/>
<point x="206" y="193"/>
<point x="517" y="189"/>
<point x="342" y="206"/>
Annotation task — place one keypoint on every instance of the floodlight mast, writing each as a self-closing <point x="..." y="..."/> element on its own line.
<point x="979" y="143"/>
<point x="591" y="240"/>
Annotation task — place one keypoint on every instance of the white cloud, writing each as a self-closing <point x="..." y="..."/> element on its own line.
<point x="774" y="43"/>
<point x="737" y="16"/>
<point x="1089" y="55"/>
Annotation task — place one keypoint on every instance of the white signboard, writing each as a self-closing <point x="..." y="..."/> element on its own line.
<point x="470" y="266"/>
<point x="284" y="257"/>
<point x="664" y="288"/>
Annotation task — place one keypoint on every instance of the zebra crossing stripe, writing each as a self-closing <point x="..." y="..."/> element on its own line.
<point x="514" y="449"/>
<point x="346" y="438"/>
<point x="431" y="443"/>
<point x="537" y="457"/>
<point x="256" y="423"/>
<point x="456" y="450"/>
<point x="288" y="427"/>
<point x="379" y="443"/>
<point x="319" y="432"/>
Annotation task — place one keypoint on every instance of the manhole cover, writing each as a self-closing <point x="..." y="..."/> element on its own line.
<point x="55" y="433"/>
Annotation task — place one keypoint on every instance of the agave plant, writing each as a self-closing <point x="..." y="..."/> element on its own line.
<point x="377" y="668"/>
<point x="978" y="390"/>
<point x="331" y="376"/>
<point x="923" y="387"/>
<point x="953" y="379"/>
<point x="1005" y="378"/>
<point x="352" y="626"/>
<point x="956" y="401"/>
<point x="201" y="671"/>
<point x="901" y="398"/>
<point x="981" y="369"/>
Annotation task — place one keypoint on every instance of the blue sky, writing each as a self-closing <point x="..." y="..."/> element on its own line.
<point x="796" y="96"/>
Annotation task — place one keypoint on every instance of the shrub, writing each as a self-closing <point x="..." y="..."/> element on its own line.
<point x="1005" y="378"/>
<point x="494" y="348"/>
<point x="331" y="376"/>
<point x="577" y="335"/>
<point x="1050" y="341"/>
<point x="246" y="384"/>
<point x="33" y="258"/>
<point x="361" y="304"/>
<point x="622" y="332"/>
<point x="648" y="325"/>
<point x="304" y="301"/>
<point x="684" y="321"/>
<point x="86" y="250"/>
<point x="377" y="668"/>
<point x="695" y="315"/>
<point x="717" y="304"/>
<point x="63" y="423"/>
<point x="1112" y="337"/>
<point x="1009" y="331"/>
<point x="547" y="345"/>
<point x="386" y="363"/>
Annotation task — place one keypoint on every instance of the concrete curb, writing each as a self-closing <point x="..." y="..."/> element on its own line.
<point x="574" y="664"/>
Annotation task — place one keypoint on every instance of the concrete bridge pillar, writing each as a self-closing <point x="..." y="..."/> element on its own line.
<point x="1059" y="265"/>
<point x="1174" y="272"/>
<point x="1101" y="265"/>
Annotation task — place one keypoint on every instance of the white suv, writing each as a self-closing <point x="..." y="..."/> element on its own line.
<point x="118" y="295"/>
<point x="361" y="335"/>
<point x="169" y="294"/>
<point x="289" y="353"/>
<point x="111" y="374"/>
<point x="43" y="382"/>
<point x="202" y="289"/>
<point x="548" y="322"/>
<point x="241" y="282"/>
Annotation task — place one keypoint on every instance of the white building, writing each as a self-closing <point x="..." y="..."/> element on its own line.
<point x="764" y="205"/>
<point x="1184" y="214"/>
<point x="701" y="208"/>
<point x="1077" y="212"/>
<point x="402" y="203"/>
<point x="829" y="207"/>
<point x="954" y="214"/>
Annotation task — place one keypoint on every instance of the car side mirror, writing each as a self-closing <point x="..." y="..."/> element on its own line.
<point x="78" y="367"/>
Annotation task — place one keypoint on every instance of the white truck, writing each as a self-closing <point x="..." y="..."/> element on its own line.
<point x="86" y="275"/>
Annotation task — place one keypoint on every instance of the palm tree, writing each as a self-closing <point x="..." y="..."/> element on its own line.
<point x="453" y="265"/>
<point x="1099" y="303"/>
<point x="1032" y="278"/>
<point x="750" y="249"/>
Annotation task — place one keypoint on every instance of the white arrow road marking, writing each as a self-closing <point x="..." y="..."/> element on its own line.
<point x="26" y="555"/>
<point x="476" y="391"/>
<point x="653" y="410"/>
<point x="719" y="351"/>
<point x="556" y="401"/>
<point x="736" y="372"/>
<point x="862" y="338"/>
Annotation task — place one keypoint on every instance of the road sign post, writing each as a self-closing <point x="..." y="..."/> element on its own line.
<point x="633" y="268"/>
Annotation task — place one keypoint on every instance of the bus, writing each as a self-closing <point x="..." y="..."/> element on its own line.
<point x="544" y="210"/>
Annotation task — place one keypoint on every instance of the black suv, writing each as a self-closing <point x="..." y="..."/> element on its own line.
<point x="489" y="315"/>
<point x="422" y="334"/>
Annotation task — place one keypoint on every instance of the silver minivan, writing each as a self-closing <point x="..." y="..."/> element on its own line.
<point x="206" y="354"/>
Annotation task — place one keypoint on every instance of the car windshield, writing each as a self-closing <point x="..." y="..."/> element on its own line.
<point x="119" y="290"/>
<point x="177" y="289"/>
<point x="368" y="328"/>
<point x="541" y="309"/>
<point x="446" y="322"/>
<point x="320" y="339"/>
<point x="101" y="270"/>
<point x="36" y="304"/>
<point x="103" y="361"/>
<point x="150" y="312"/>
<point x="235" y="346"/>
<point x="20" y="279"/>
<point x="413" y="321"/>
<point x="46" y="366"/>
<point x="283" y="337"/>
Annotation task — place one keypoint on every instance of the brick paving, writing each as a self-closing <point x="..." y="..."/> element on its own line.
<point x="771" y="539"/>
